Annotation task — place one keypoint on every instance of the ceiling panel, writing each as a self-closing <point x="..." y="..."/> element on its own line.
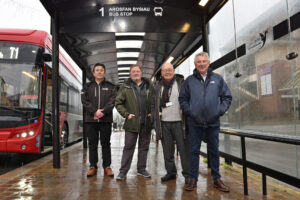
<point x="87" y="31"/>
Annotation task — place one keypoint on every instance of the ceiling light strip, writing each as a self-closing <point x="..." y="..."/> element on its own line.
<point x="130" y="33"/>
<point x="127" y="54"/>
<point x="203" y="2"/>
<point x="129" y="44"/>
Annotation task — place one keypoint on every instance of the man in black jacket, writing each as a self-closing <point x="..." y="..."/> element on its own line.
<point x="98" y="99"/>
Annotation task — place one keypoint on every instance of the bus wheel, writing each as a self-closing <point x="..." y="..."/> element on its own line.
<point x="64" y="137"/>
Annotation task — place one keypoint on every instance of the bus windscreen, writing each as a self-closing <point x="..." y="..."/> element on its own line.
<point x="20" y="76"/>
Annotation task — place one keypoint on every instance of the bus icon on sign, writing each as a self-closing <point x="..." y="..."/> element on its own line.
<point x="158" y="11"/>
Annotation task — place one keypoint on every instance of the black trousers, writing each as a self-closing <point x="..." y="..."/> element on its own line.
<point x="93" y="130"/>
<point x="172" y="131"/>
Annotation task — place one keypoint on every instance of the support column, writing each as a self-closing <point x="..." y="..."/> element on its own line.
<point x="55" y="92"/>
<point x="244" y="162"/>
<point x="204" y="34"/>
<point x="83" y="113"/>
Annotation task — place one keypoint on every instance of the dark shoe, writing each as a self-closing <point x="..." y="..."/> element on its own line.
<point x="221" y="186"/>
<point x="121" y="176"/>
<point x="168" y="177"/>
<point x="108" y="171"/>
<point x="144" y="173"/>
<point x="92" y="171"/>
<point x="191" y="185"/>
<point x="186" y="180"/>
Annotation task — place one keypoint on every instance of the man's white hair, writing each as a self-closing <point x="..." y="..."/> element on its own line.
<point x="166" y="64"/>
<point x="204" y="54"/>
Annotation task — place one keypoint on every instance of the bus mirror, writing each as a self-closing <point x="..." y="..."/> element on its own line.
<point x="47" y="57"/>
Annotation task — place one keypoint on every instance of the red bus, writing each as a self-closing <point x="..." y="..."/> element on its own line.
<point x="26" y="93"/>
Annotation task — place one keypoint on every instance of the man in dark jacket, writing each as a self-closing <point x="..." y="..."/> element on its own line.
<point x="169" y="122"/>
<point x="133" y="102"/>
<point x="204" y="97"/>
<point x="98" y="99"/>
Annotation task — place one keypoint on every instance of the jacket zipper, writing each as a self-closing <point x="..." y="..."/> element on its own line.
<point x="147" y="92"/>
<point x="159" y="116"/>
<point x="99" y="98"/>
<point x="136" y="104"/>
<point x="204" y="89"/>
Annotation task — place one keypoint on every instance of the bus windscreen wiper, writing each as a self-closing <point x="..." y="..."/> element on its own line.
<point x="13" y="109"/>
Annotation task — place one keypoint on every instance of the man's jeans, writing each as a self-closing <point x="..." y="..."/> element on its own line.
<point x="212" y="134"/>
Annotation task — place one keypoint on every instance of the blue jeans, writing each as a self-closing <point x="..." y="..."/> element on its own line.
<point x="212" y="134"/>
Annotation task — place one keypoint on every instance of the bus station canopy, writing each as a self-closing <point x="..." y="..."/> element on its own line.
<point x="119" y="33"/>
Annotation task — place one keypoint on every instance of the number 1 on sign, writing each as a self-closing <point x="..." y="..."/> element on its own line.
<point x="101" y="10"/>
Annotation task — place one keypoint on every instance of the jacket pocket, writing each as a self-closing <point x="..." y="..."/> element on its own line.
<point x="213" y="114"/>
<point x="131" y="123"/>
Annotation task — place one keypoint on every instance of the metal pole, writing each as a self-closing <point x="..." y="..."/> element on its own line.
<point x="264" y="184"/>
<point x="83" y="111"/>
<point x="205" y="49"/>
<point x="227" y="149"/>
<point x="55" y="92"/>
<point x="204" y="34"/>
<point x="244" y="161"/>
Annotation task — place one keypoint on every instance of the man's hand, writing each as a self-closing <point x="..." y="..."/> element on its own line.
<point x="130" y="116"/>
<point x="99" y="114"/>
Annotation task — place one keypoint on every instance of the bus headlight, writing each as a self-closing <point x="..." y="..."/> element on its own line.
<point x="24" y="135"/>
<point x="31" y="133"/>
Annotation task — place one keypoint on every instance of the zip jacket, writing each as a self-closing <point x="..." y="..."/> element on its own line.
<point x="204" y="101"/>
<point x="96" y="96"/>
<point x="127" y="103"/>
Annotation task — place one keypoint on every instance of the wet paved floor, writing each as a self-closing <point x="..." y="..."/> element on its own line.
<point x="38" y="180"/>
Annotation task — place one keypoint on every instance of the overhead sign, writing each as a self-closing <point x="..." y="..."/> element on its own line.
<point x="128" y="11"/>
<point x="130" y="18"/>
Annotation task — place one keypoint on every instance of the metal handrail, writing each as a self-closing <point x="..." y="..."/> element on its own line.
<point x="287" y="139"/>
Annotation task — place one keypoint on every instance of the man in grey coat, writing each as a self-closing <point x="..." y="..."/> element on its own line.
<point x="168" y="122"/>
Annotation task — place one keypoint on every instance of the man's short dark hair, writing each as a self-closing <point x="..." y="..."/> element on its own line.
<point x="99" y="64"/>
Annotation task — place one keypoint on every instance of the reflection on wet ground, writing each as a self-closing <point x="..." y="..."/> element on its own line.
<point x="38" y="180"/>
<point x="11" y="161"/>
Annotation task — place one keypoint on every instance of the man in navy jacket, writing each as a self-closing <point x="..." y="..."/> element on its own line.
<point x="204" y="98"/>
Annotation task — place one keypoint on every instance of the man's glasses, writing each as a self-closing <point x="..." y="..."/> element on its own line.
<point x="167" y="70"/>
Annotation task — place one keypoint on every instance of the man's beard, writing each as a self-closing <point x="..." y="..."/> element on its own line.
<point x="135" y="79"/>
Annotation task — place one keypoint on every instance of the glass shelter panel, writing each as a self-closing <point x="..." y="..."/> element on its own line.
<point x="266" y="96"/>
<point x="221" y="38"/>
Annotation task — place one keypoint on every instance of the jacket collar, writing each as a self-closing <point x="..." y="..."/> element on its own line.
<point x="94" y="81"/>
<point x="103" y="82"/>
<point x="178" y="78"/>
<point x="197" y="74"/>
<point x="129" y="83"/>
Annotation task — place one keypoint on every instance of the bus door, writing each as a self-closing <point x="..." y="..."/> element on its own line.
<point x="48" y="124"/>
